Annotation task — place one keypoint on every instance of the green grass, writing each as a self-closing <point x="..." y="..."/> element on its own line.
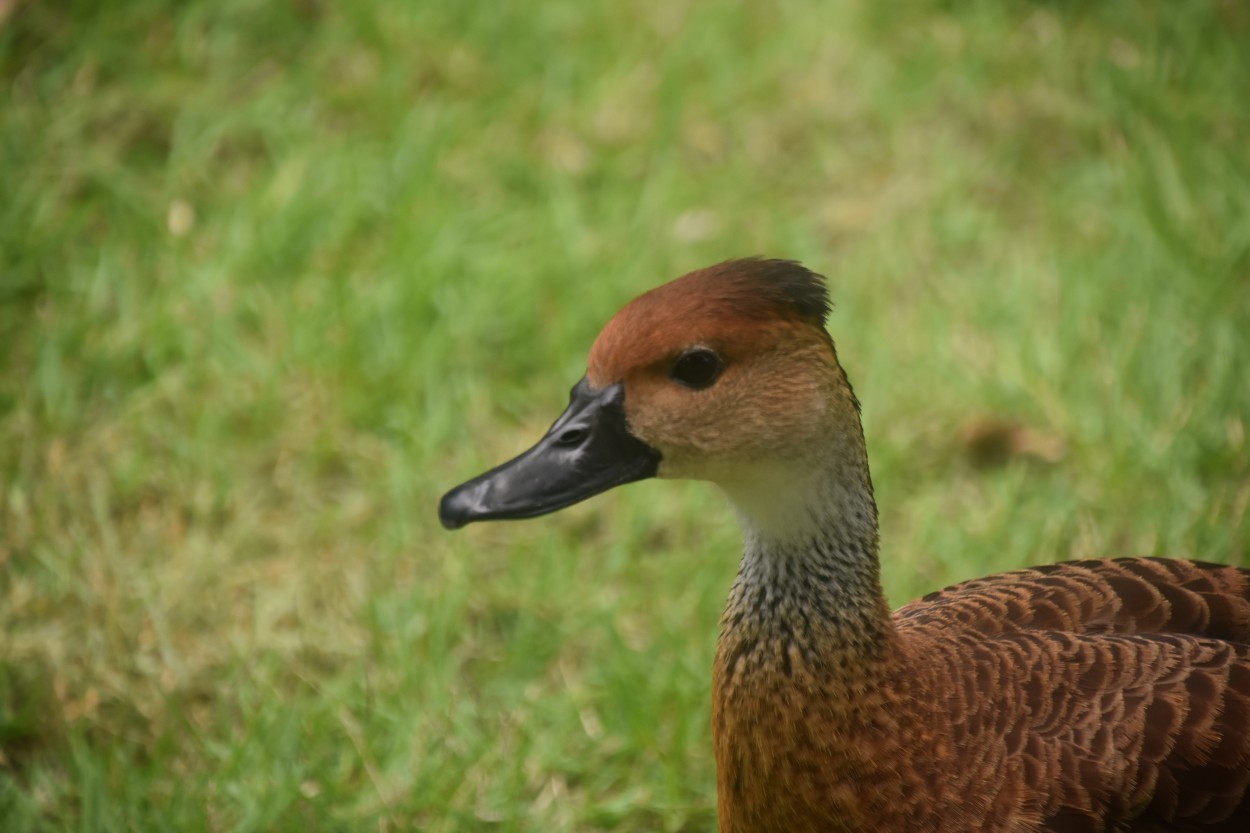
<point x="273" y="275"/>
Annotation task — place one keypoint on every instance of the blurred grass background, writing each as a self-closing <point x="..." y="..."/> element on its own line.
<point x="273" y="275"/>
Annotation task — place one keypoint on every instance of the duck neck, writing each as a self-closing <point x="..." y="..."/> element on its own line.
<point x="807" y="600"/>
<point x="806" y="656"/>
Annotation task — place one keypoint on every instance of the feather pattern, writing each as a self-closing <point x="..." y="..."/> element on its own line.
<point x="1102" y="695"/>
<point x="1088" y="696"/>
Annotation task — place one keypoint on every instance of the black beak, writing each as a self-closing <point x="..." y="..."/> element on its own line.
<point x="587" y="451"/>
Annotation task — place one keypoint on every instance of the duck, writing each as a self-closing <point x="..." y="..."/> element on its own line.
<point x="1095" y="695"/>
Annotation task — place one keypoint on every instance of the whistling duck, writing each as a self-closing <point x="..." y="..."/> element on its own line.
<point x="1086" y="696"/>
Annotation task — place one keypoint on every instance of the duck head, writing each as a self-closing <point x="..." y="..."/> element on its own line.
<point x="725" y="374"/>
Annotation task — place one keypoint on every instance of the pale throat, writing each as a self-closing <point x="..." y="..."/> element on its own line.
<point x="784" y="504"/>
<point x="810" y="547"/>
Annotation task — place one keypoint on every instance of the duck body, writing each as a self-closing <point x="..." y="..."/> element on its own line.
<point x="1103" y="695"/>
<point x="1088" y="696"/>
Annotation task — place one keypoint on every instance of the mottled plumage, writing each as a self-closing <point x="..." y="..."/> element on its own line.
<point x="1087" y="696"/>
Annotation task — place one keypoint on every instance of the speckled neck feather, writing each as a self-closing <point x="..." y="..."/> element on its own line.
<point x="806" y="640"/>
<point x="819" y="579"/>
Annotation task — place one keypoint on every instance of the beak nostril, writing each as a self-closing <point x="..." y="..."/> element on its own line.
<point x="572" y="436"/>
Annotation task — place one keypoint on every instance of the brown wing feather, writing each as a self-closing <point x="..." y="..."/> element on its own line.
<point x="1101" y="696"/>
<point x="1122" y="595"/>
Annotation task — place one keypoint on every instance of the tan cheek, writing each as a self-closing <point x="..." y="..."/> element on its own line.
<point x="758" y="412"/>
<point x="680" y="422"/>
<point x="650" y="414"/>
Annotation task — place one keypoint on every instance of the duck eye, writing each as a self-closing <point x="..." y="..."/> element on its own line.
<point x="696" y="368"/>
